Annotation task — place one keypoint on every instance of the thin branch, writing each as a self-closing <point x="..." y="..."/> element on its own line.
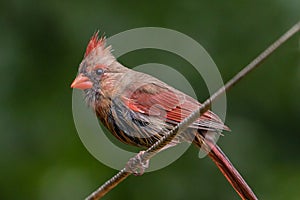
<point x="109" y="185"/>
<point x="155" y="148"/>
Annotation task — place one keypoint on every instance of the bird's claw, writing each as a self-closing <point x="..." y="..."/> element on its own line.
<point x="136" y="165"/>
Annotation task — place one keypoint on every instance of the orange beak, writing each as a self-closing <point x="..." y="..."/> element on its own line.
<point x="82" y="82"/>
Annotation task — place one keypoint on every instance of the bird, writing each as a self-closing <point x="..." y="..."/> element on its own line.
<point x="139" y="109"/>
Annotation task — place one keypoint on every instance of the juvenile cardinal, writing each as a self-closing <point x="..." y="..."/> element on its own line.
<point x="139" y="109"/>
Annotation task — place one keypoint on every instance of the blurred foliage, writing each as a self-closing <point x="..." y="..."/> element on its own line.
<point x="41" y="45"/>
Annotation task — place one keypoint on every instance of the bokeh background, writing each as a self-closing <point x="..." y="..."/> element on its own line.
<point x="41" y="45"/>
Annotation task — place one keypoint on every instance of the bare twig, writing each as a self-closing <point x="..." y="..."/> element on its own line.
<point x="155" y="148"/>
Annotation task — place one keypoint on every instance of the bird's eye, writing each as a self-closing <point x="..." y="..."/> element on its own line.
<point x="99" y="71"/>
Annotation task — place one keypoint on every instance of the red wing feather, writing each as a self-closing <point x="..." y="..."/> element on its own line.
<point x="172" y="105"/>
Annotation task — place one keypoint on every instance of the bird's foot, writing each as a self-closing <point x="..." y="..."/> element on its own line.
<point x="136" y="165"/>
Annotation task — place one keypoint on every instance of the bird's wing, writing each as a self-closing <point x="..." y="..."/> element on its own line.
<point x="169" y="104"/>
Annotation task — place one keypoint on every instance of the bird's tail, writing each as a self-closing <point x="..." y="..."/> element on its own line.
<point x="226" y="167"/>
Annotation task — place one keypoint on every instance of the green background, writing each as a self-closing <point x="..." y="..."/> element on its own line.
<point x="41" y="45"/>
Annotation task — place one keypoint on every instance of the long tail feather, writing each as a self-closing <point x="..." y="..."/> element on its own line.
<point x="228" y="170"/>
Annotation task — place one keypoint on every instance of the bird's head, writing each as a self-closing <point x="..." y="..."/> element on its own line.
<point x="98" y="65"/>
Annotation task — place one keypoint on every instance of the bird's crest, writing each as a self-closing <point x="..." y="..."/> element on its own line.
<point x="94" y="43"/>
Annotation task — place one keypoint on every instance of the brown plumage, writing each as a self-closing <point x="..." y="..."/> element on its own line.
<point x="139" y="109"/>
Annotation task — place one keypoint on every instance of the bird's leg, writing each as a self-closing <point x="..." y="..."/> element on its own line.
<point x="136" y="165"/>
